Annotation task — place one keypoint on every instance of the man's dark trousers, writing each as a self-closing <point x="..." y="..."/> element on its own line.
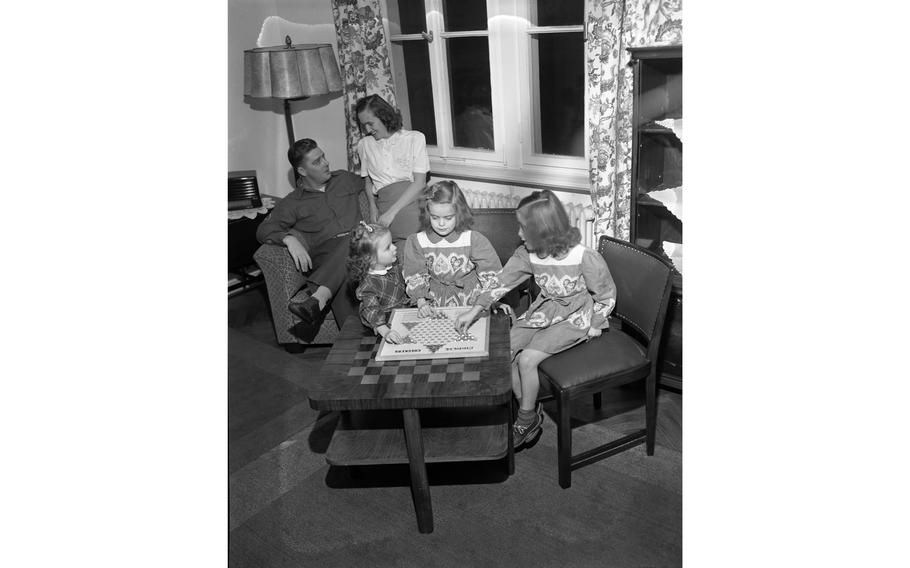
<point x="330" y="261"/>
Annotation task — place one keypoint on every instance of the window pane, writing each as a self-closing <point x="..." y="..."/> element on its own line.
<point x="560" y="12"/>
<point x="412" y="16"/>
<point x="469" y="80"/>
<point x="420" y="89"/>
<point x="560" y="103"/>
<point x="465" y="15"/>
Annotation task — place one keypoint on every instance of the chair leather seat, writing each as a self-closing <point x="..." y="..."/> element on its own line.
<point x="613" y="351"/>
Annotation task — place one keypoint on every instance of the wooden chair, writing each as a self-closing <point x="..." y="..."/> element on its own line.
<point x="618" y="356"/>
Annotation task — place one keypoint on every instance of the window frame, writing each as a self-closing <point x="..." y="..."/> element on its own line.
<point x="512" y="62"/>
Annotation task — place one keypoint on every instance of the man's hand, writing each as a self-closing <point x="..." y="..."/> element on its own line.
<point x="592" y="332"/>
<point x="298" y="253"/>
<point x="386" y="218"/>
<point x="465" y="319"/>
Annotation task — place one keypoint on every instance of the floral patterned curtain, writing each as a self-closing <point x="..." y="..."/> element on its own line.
<point x="611" y="26"/>
<point x="363" y="55"/>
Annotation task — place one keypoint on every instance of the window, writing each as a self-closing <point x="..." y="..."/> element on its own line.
<point x="496" y="86"/>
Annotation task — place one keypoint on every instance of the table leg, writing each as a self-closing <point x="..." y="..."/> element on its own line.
<point x="420" y="487"/>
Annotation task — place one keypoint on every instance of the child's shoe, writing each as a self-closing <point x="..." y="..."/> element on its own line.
<point x="524" y="432"/>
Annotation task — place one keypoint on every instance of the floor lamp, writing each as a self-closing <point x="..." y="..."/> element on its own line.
<point x="290" y="72"/>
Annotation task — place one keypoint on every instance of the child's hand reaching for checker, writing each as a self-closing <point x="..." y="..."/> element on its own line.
<point x="425" y="309"/>
<point x="464" y="320"/>
<point x="389" y="334"/>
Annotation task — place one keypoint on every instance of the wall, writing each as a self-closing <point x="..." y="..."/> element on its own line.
<point x="257" y="136"/>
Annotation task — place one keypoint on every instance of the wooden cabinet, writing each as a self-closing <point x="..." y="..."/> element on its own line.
<point x="656" y="200"/>
<point x="243" y="273"/>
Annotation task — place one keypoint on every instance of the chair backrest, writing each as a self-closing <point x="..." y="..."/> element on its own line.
<point x="643" y="283"/>
<point x="500" y="227"/>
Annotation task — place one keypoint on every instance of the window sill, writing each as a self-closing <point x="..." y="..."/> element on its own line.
<point x="538" y="177"/>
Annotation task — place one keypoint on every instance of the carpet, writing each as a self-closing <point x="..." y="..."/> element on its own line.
<point x="288" y="508"/>
<point x="624" y="511"/>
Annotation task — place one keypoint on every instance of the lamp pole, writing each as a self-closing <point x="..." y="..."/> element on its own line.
<point x="288" y="122"/>
<point x="287" y="119"/>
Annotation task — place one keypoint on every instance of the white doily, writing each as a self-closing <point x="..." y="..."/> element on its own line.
<point x="671" y="198"/>
<point x="251" y="213"/>
<point x="674" y="124"/>
<point x="674" y="251"/>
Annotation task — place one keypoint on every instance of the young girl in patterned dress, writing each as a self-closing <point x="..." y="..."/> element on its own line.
<point x="446" y="264"/>
<point x="372" y="263"/>
<point x="577" y="294"/>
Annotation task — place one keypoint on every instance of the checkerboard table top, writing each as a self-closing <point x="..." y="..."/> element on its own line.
<point x="406" y="371"/>
<point x="351" y="378"/>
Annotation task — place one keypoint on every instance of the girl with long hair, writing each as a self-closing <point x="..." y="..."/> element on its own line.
<point x="446" y="263"/>
<point x="577" y="294"/>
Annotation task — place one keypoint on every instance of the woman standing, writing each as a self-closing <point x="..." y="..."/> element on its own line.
<point x="395" y="164"/>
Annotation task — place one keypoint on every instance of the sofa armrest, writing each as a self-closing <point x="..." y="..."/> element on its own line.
<point x="283" y="281"/>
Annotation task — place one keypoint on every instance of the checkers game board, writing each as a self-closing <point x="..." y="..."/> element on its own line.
<point x="434" y="338"/>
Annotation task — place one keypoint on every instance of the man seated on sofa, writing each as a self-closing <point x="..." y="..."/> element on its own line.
<point x="314" y="223"/>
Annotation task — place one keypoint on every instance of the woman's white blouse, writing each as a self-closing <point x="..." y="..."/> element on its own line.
<point x="393" y="159"/>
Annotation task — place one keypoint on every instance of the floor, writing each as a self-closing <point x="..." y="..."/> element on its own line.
<point x="283" y="495"/>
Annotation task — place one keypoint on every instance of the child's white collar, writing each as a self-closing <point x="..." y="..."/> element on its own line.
<point x="380" y="271"/>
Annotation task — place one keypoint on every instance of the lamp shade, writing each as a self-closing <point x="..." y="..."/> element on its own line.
<point x="290" y="71"/>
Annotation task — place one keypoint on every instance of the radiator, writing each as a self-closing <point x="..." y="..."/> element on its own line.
<point x="580" y="216"/>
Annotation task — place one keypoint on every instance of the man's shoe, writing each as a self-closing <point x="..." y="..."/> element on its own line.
<point x="528" y="433"/>
<point x="306" y="331"/>
<point x="294" y="347"/>
<point x="307" y="310"/>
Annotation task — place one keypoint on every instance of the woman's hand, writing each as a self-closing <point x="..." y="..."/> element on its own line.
<point x="593" y="332"/>
<point x="374" y="212"/>
<point x="371" y="199"/>
<point x="386" y="218"/>
<point x="464" y="320"/>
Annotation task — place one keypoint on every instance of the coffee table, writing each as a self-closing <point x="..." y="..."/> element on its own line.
<point x="416" y="412"/>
